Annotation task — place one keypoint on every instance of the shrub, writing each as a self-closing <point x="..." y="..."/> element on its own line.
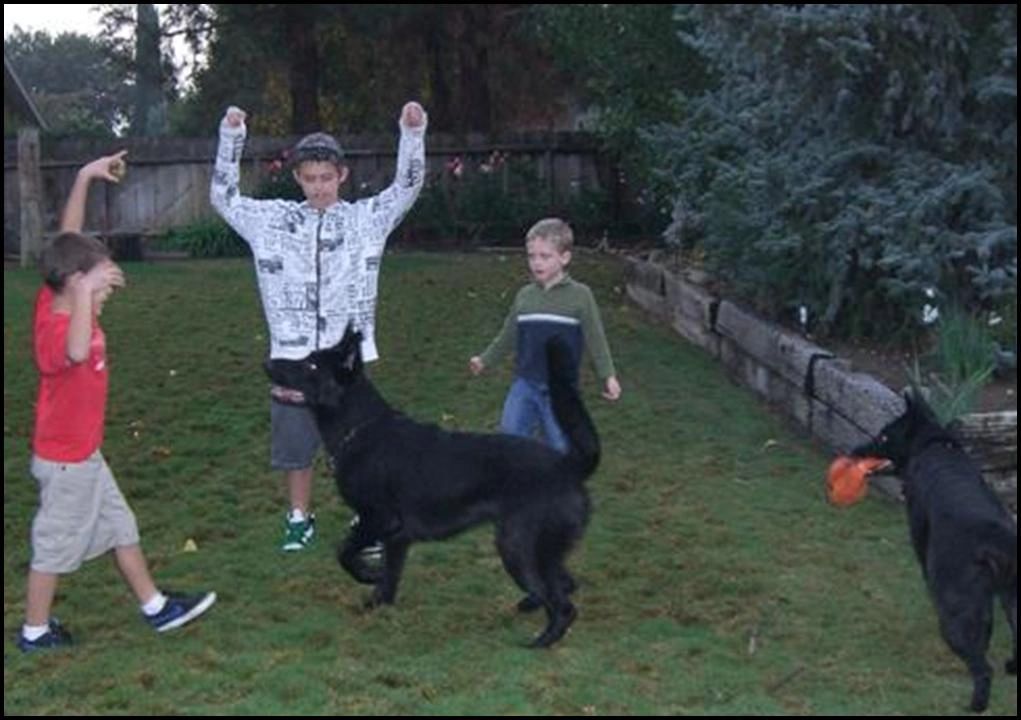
<point x="211" y="238"/>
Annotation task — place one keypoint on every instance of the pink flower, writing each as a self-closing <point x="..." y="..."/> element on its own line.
<point x="455" y="167"/>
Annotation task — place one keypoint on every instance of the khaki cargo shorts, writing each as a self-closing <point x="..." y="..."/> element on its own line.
<point x="82" y="514"/>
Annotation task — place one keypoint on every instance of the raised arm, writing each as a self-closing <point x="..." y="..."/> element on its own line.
<point x="394" y="202"/>
<point x="410" y="175"/>
<point x="241" y="213"/>
<point x="82" y="290"/>
<point x="109" y="168"/>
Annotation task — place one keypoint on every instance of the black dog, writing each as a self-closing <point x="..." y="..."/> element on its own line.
<point x="410" y="482"/>
<point x="966" y="542"/>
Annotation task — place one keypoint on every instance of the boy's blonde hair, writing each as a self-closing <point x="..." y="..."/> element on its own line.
<point x="554" y="231"/>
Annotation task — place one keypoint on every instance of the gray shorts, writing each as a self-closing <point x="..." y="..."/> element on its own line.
<point x="294" y="436"/>
<point x="82" y="514"/>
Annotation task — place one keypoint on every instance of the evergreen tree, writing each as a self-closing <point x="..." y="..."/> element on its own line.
<point x="850" y="158"/>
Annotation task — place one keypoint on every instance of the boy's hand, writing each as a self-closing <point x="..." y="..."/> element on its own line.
<point x="612" y="391"/>
<point x="234" y="117"/>
<point x="413" y="115"/>
<point x="110" y="168"/>
<point x="103" y="276"/>
<point x="476" y="366"/>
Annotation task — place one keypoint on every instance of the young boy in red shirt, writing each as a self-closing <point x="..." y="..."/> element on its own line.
<point x="82" y="513"/>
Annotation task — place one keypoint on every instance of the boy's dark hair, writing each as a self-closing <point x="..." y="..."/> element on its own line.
<point x="317" y="147"/>
<point x="69" y="253"/>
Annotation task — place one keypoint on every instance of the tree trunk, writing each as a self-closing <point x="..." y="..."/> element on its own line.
<point x="441" y="100"/>
<point x="303" y="72"/>
<point x="150" y="118"/>
<point x="473" y="62"/>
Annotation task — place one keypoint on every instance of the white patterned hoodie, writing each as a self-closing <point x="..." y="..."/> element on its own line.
<point x="317" y="269"/>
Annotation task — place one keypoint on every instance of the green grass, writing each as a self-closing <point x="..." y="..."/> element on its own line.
<point x="714" y="579"/>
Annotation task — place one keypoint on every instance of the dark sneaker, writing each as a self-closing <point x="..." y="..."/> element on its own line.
<point x="298" y="534"/>
<point x="56" y="637"/>
<point x="180" y="610"/>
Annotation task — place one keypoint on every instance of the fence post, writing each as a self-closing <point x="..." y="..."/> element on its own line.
<point x="30" y="192"/>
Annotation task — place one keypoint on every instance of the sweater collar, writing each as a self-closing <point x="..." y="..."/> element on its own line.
<point x="565" y="280"/>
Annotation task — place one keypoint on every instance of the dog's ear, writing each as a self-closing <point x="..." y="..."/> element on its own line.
<point x="351" y="348"/>
<point x="352" y="338"/>
<point x="914" y="402"/>
<point x="918" y="406"/>
<point x="344" y="358"/>
<point x="351" y="358"/>
<point x="924" y="411"/>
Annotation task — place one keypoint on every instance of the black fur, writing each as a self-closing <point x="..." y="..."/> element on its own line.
<point x="965" y="540"/>
<point x="410" y="482"/>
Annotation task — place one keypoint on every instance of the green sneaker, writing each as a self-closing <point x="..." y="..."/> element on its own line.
<point x="298" y="534"/>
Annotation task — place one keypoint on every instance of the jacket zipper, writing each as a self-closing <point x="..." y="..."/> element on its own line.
<point x="319" y="289"/>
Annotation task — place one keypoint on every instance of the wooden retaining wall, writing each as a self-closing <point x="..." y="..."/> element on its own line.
<point x="839" y="406"/>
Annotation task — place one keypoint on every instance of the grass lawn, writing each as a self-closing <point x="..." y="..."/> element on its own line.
<point x="713" y="578"/>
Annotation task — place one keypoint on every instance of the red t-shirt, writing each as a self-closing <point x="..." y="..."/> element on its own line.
<point x="71" y="403"/>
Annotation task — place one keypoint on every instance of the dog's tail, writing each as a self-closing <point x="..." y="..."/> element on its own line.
<point x="584" y="448"/>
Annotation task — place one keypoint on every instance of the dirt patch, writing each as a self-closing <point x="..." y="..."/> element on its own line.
<point x="891" y="367"/>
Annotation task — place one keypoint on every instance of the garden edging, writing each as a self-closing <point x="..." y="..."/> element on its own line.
<point x="839" y="406"/>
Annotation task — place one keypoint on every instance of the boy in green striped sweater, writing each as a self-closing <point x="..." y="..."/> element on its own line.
<point x="552" y="305"/>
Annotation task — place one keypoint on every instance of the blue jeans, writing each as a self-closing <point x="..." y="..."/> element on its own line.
<point x="527" y="409"/>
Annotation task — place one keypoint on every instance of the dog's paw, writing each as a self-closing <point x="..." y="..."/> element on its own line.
<point x="980" y="695"/>
<point x="378" y="599"/>
<point x="557" y="628"/>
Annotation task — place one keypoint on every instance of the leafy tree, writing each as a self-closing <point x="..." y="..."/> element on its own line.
<point x="473" y="66"/>
<point x="626" y="64"/>
<point x="270" y="59"/>
<point x="77" y="87"/>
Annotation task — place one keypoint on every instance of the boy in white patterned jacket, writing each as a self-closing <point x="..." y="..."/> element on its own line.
<point x="317" y="263"/>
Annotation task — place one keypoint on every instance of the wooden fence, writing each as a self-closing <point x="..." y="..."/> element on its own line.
<point x="167" y="184"/>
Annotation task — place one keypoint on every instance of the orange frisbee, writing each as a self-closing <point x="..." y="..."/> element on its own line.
<point x="847" y="478"/>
